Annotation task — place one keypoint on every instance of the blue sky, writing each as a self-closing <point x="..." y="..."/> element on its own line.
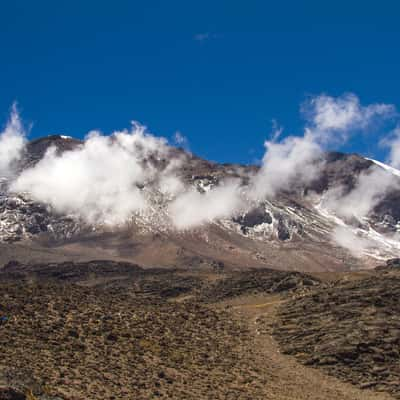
<point x="217" y="71"/>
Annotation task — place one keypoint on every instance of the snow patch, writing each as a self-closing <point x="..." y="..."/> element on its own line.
<point x="392" y="170"/>
<point x="376" y="245"/>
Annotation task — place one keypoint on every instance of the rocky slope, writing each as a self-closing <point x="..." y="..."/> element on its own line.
<point x="350" y="329"/>
<point x="110" y="330"/>
<point x="106" y="330"/>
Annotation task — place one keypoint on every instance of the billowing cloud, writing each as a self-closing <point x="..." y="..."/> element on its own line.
<point x="330" y="122"/>
<point x="293" y="158"/>
<point x="12" y="143"/>
<point x="370" y="188"/>
<point x="336" y="118"/>
<point x="192" y="208"/>
<point x="349" y="240"/>
<point x="101" y="181"/>
<point x="346" y="114"/>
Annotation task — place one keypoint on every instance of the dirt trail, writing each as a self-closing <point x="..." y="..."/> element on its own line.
<point x="287" y="379"/>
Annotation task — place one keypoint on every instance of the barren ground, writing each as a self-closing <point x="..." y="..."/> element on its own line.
<point x="112" y="331"/>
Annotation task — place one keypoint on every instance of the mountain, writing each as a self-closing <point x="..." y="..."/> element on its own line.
<point x="235" y="307"/>
<point x="294" y="230"/>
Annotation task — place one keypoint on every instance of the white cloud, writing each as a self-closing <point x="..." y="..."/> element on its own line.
<point x="12" y="143"/>
<point x="292" y="159"/>
<point x="101" y="180"/>
<point x="181" y="140"/>
<point x="345" y="115"/>
<point x="370" y="188"/>
<point x="192" y="209"/>
<point x="393" y="143"/>
<point x="330" y="122"/>
<point x="355" y="244"/>
<point x="277" y="130"/>
<point x="342" y="115"/>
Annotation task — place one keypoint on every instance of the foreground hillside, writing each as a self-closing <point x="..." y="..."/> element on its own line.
<point x="349" y="329"/>
<point x="108" y="330"/>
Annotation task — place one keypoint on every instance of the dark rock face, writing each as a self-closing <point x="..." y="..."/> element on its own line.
<point x="254" y="217"/>
<point x="36" y="149"/>
<point x="350" y="329"/>
<point x="389" y="207"/>
<point x="393" y="263"/>
<point x="343" y="170"/>
<point x="339" y="169"/>
<point x="21" y="216"/>
<point x="283" y="230"/>
<point x="259" y="215"/>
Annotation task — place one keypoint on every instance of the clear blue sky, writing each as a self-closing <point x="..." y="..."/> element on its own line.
<point x="217" y="71"/>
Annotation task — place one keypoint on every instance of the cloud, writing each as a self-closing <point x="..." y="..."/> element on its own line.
<point x="392" y="141"/>
<point x="370" y="188"/>
<point x="204" y="36"/>
<point x="292" y="159"/>
<point x="277" y="130"/>
<point x="192" y="208"/>
<point x="102" y="180"/>
<point x="343" y="115"/>
<point x="181" y="140"/>
<point x="355" y="244"/>
<point x="297" y="159"/>
<point x="12" y="143"/>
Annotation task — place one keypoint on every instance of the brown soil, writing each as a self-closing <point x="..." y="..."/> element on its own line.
<point x="105" y="330"/>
